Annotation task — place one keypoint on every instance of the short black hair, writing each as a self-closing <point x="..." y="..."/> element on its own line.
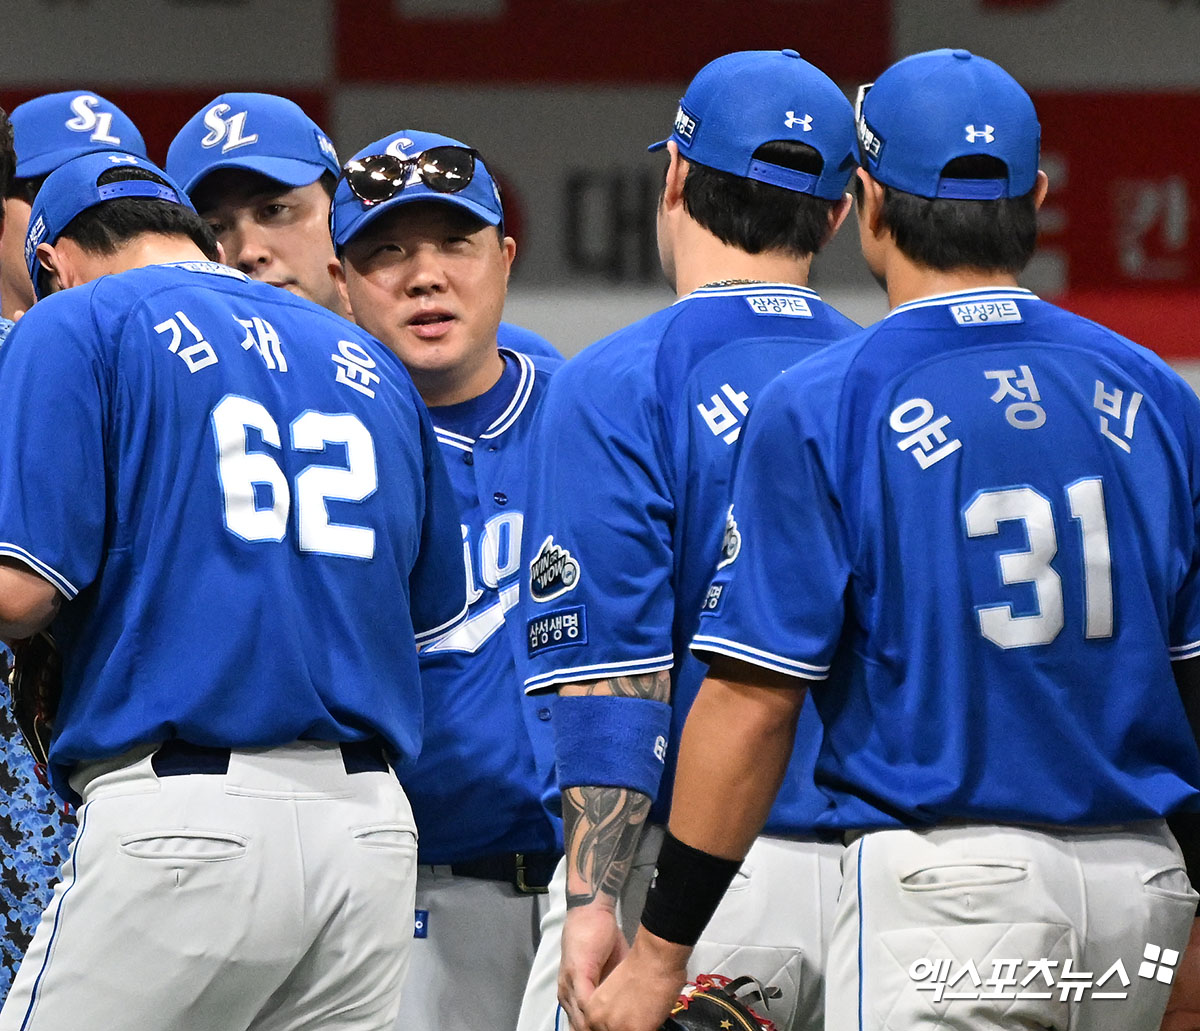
<point x="991" y="235"/>
<point x="106" y="227"/>
<point x="25" y="188"/>
<point x="755" y="216"/>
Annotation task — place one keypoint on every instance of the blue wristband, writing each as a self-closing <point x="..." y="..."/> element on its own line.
<point x="611" y="742"/>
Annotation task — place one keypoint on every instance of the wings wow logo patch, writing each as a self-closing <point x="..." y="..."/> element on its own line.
<point x="552" y="572"/>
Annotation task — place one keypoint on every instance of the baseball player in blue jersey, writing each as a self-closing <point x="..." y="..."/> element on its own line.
<point x="971" y="532"/>
<point x="36" y="828"/>
<point x="48" y="131"/>
<point x="237" y="521"/>
<point x="631" y="500"/>
<point x="419" y="226"/>
<point x="262" y="174"/>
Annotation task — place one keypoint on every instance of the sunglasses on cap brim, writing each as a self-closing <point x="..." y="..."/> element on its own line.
<point x="379" y="177"/>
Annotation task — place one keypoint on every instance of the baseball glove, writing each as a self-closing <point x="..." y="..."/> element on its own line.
<point x="713" y="1003"/>
<point x="35" y="685"/>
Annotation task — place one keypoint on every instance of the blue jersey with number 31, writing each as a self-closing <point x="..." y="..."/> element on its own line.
<point x="240" y="496"/>
<point x="974" y="528"/>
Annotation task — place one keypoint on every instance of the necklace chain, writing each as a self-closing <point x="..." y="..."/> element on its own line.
<point x="732" y="282"/>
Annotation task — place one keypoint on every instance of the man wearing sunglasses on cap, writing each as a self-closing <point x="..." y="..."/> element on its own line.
<point x="262" y="174"/>
<point x="424" y="261"/>
<point x="639" y="438"/>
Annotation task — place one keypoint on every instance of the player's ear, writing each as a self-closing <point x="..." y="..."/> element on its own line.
<point x="1040" y="189"/>
<point x="57" y="265"/>
<point x="837" y="215"/>
<point x="508" y="247"/>
<point x="676" y="174"/>
<point x="337" y="273"/>
<point x="221" y="254"/>
<point x="870" y="203"/>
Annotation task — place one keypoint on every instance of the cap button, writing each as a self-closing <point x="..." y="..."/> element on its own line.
<point x="789" y="53"/>
<point x="962" y="55"/>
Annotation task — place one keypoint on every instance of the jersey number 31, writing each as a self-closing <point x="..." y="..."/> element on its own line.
<point x="1086" y="500"/>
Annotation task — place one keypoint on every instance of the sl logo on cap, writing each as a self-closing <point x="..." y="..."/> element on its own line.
<point x="88" y="118"/>
<point x="231" y="130"/>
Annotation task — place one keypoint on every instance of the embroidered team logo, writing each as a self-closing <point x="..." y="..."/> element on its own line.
<point x="35" y="235"/>
<point x="685" y="125"/>
<point x="229" y="133"/>
<point x="91" y="120"/>
<point x="731" y="543"/>
<point x="325" y="144"/>
<point x="552" y="572"/>
<point x="870" y="141"/>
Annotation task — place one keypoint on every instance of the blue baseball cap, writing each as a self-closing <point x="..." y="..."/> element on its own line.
<point x="931" y="108"/>
<point x="257" y="131"/>
<point x="71" y="188"/>
<point x="740" y="101"/>
<point x="50" y="130"/>
<point x="349" y="215"/>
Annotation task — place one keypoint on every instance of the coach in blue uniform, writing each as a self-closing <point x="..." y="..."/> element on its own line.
<point x="230" y="505"/>
<point x="971" y="531"/>
<point x="418" y="222"/>
<point x="631" y="500"/>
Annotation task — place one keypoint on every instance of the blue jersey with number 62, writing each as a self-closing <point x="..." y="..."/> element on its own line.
<point x="240" y="496"/>
<point x="974" y="528"/>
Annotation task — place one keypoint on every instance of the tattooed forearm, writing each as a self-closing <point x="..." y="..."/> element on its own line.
<point x="655" y="686"/>
<point x="602" y="828"/>
<point x="603" y="824"/>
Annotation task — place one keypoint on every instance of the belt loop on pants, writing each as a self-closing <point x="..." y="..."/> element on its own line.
<point x="176" y="758"/>
<point x="528" y="872"/>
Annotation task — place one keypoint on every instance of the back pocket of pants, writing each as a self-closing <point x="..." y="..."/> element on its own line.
<point x="192" y="845"/>
<point x="981" y="873"/>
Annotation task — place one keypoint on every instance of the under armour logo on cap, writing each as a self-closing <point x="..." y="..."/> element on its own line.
<point x="987" y="134"/>
<point x="805" y="122"/>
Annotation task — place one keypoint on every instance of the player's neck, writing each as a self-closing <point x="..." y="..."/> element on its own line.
<point x="701" y="258"/>
<point x="907" y="281"/>
<point x="149" y="249"/>
<point x="452" y="386"/>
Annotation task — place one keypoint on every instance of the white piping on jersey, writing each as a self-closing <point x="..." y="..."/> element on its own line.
<point x="758" y="657"/>
<point x="1181" y="652"/>
<point x="454" y="439"/>
<point x="211" y="268"/>
<point x="598" y="671"/>
<point x="520" y="398"/>
<point x="999" y="293"/>
<point x="472" y="633"/>
<point x="45" y="571"/>
<point x="428" y="635"/>
<point x="750" y="290"/>
<point x="507" y="417"/>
